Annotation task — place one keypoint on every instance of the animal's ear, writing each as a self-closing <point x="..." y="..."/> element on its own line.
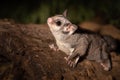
<point x="65" y="13"/>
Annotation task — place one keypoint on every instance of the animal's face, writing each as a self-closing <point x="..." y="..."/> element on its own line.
<point x="61" y="24"/>
<point x="58" y="22"/>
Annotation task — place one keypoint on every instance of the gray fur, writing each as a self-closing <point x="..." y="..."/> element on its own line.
<point x="76" y="43"/>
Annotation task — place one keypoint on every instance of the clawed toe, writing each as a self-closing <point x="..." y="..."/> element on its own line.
<point x="70" y="62"/>
<point x="105" y="67"/>
<point x="53" y="47"/>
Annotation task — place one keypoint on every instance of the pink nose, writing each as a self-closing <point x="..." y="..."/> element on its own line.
<point x="50" y="20"/>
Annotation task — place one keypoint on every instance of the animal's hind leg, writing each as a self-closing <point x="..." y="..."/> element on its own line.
<point x="106" y="62"/>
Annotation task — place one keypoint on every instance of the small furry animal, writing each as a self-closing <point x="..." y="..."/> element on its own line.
<point x="77" y="42"/>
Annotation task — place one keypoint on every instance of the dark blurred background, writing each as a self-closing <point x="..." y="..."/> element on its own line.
<point x="37" y="11"/>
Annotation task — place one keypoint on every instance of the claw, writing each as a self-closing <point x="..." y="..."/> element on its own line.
<point x="106" y="68"/>
<point x="70" y="62"/>
<point x="66" y="58"/>
<point x="53" y="47"/>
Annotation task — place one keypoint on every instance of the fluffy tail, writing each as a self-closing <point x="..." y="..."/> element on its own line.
<point x="112" y="43"/>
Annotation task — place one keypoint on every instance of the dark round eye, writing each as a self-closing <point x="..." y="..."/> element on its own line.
<point x="58" y="23"/>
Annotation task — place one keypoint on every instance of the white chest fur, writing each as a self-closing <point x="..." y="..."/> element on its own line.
<point x="65" y="47"/>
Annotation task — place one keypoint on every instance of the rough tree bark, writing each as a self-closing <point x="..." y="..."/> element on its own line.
<point x="26" y="49"/>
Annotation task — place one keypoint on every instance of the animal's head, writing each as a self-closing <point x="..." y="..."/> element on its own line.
<point x="59" y="23"/>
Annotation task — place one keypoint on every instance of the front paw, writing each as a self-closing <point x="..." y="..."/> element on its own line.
<point x="53" y="47"/>
<point x="71" y="63"/>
